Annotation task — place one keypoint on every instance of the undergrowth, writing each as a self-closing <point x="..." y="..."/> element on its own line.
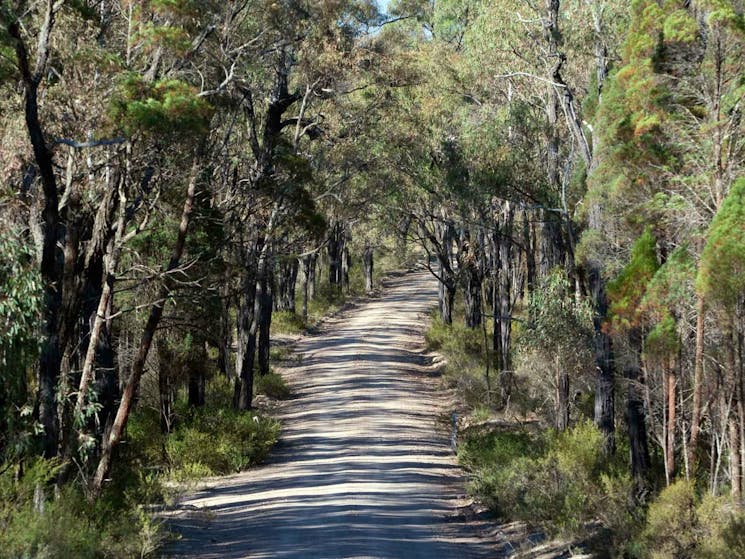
<point x="39" y="521"/>
<point x="213" y="439"/>
<point x="272" y="385"/>
<point x="562" y="483"/>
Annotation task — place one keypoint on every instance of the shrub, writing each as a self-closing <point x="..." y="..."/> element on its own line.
<point x="286" y="322"/>
<point x="559" y="480"/>
<point x="671" y="522"/>
<point x="272" y="385"/>
<point x="67" y="525"/>
<point x="219" y="441"/>
<point x="680" y="525"/>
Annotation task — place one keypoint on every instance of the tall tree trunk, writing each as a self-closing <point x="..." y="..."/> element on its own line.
<point x="312" y="283"/>
<point x="529" y="244"/>
<point x="306" y="287"/>
<point x="51" y="270"/>
<point x="562" y="396"/>
<point x="735" y="441"/>
<point x="246" y="339"/>
<point x="335" y="250"/>
<point x="698" y="375"/>
<point x="264" y="313"/>
<point x="635" y="416"/>
<point x="197" y="377"/>
<point x="225" y="335"/>
<point x="156" y="312"/>
<point x="671" y="380"/>
<point x="604" y="379"/>
<point x="472" y="293"/>
<point x="505" y="300"/>
<point x="165" y="386"/>
<point x="367" y="260"/>
<point x="284" y="299"/>
<point x="346" y="265"/>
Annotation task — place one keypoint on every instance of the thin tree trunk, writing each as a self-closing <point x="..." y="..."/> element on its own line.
<point x="505" y="301"/>
<point x="312" y="283"/>
<point x="138" y="366"/>
<point x="264" y="296"/>
<point x="635" y="416"/>
<point x="306" y="287"/>
<point x="562" y="396"/>
<point x="671" y="382"/>
<point x="368" y="268"/>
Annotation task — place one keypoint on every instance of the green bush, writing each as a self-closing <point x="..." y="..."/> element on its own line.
<point x="464" y="350"/>
<point x="559" y="480"/>
<point x="272" y="385"/>
<point x="219" y="441"/>
<point x="680" y="525"/>
<point x="286" y="322"/>
<point x="66" y="524"/>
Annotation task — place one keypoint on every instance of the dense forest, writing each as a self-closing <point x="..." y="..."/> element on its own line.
<point x="179" y="178"/>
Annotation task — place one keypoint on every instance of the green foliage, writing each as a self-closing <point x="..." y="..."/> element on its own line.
<point x="463" y="349"/>
<point x="286" y="322"/>
<point x="721" y="274"/>
<point x="679" y="26"/>
<point x="272" y="385"/>
<point x="21" y="297"/>
<point x="559" y="480"/>
<point x="37" y="522"/>
<point x="628" y="288"/>
<point x="220" y="441"/>
<point x="680" y="524"/>
<point x="166" y="106"/>
<point x="557" y="318"/>
<point x="210" y="440"/>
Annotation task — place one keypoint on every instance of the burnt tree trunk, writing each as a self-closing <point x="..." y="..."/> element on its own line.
<point x="197" y="377"/>
<point x="562" y="397"/>
<point x="335" y="250"/>
<point x="604" y="380"/>
<point x="312" y="277"/>
<point x="306" y="287"/>
<point x="469" y="265"/>
<point x="165" y="387"/>
<point x="346" y="264"/>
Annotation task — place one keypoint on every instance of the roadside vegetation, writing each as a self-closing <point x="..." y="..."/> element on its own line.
<point x="560" y="482"/>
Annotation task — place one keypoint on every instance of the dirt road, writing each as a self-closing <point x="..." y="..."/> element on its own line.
<point x="362" y="469"/>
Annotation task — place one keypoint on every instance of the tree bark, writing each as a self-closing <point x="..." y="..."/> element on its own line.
<point x="504" y="318"/>
<point x="286" y="280"/>
<point x="246" y="339"/>
<point x="51" y="270"/>
<point x="264" y="313"/>
<point x="306" y="287"/>
<point x="698" y="375"/>
<point x="367" y="260"/>
<point x="604" y="380"/>
<point x="635" y="415"/>
<point x="156" y="312"/>
<point x="562" y="397"/>
<point x="671" y="381"/>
